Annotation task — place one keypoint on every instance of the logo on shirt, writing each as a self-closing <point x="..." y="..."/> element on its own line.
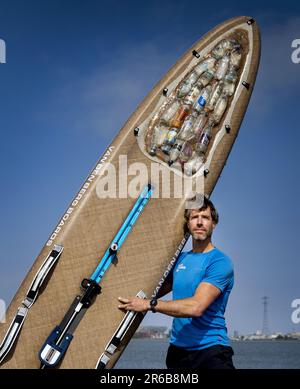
<point x="180" y="267"/>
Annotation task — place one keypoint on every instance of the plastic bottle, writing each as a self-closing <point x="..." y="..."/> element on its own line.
<point x="206" y="77"/>
<point x="170" y="112"/>
<point x="204" y="96"/>
<point x="175" y="151"/>
<point x="169" y="140"/>
<point x="227" y="44"/>
<point x="220" y="109"/>
<point x="222" y="67"/>
<point x="193" y="164"/>
<point x="180" y="115"/>
<point x="224" y="46"/>
<point x="186" y="132"/>
<point x="199" y="125"/>
<point x="218" y="51"/>
<point x="186" y="152"/>
<point x="215" y="95"/>
<point x="193" y="94"/>
<point x="158" y="135"/>
<point x="206" y="136"/>
<point x="187" y="84"/>
<point x="235" y="57"/>
<point x="207" y="64"/>
<point x="230" y="81"/>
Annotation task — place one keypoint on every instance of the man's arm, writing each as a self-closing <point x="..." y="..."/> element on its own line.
<point x="194" y="306"/>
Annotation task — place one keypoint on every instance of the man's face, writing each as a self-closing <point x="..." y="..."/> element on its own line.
<point x="200" y="224"/>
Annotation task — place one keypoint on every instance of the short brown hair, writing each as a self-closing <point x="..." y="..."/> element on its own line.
<point x="205" y="203"/>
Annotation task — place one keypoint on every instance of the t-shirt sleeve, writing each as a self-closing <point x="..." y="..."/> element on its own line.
<point x="219" y="273"/>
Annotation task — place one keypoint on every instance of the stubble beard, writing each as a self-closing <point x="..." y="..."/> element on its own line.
<point x="201" y="237"/>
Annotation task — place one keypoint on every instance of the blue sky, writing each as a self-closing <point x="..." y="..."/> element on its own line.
<point x="75" y="72"/>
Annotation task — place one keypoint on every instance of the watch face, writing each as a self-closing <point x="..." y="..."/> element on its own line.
<point x="153" y="304"/>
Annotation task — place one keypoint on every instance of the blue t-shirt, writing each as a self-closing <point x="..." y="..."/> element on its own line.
<point x="190" y="270"/>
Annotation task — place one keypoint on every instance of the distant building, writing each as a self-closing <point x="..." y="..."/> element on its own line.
<point x="153" y="332"/>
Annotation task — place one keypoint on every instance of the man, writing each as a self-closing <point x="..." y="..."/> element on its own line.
<point x="201" y="284"/>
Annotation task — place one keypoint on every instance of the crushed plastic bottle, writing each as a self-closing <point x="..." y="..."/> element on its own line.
<point x="222" y="67"/>
<point x="193" y="94"/>
<point x="230" y="81"/>
<point x="227" y="44"/>
<point x="206" y="136"/>
<point x="170" y="112"/>
<point x="207" y="64"/>
<point x="193" y="164"/>
<point x="220" y="109"/>
<point x="186" y="152"/>
<point x="187" y="84"/>
<point x="186" y="132"/>
<point x="199" y="125"/>
<point x="158" y="135"/>
<point x="235" y="57"/>
<point x="206" y="77"/>
<point x="218" y="51"/>
<point x="215" y="95"/>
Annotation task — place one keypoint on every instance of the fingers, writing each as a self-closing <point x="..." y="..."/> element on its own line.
<point x="132" y="304"/>
<point x="125" y="303"/>
<point x="123" y="300"/>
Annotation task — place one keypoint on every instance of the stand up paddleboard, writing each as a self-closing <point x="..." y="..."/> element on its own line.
<point x="122" y="232"/>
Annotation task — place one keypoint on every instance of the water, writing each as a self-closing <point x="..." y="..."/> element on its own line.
<point x="269" y="354"/>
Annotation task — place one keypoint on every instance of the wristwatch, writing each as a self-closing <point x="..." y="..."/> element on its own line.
<point x="153" y="304"/>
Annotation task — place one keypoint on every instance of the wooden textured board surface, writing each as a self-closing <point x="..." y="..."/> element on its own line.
<point x="90" y="222"/>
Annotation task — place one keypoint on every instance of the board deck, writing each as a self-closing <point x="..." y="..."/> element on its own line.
<point x="87" y="227"/>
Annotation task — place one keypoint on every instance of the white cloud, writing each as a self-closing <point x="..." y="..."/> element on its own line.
<point x="278" y="77"/>
<point x="100" y="102"/>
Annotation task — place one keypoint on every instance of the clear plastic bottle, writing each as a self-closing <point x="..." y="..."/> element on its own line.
<point x="223" y="47"/>
<point x="175" y="151"/>
<point x="215" y="95"/>
<point x="187" y="132"/>
<point x="227" y="44"/>
<point x="199" y="125"/>
<point x="207" y="64"/>
<point x="220" y="109"/>
<point x="222" y="67"/>
<point x="206" y="77"/>
<point x="193" y="164"/>
<point x="193" y="94"/>
<point x="186" y="152"/>
<point x="204" y="96"/>
<point x="235" y="57"/>
<point x="206" y="136"/>
<point x="170" y="112"/>
<point x="169" y="140"/>
<point x="218" y="51"/>
<point x="230" y="81"/>
<point x="187" y="84"/>
<point x="158" y="135"/>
